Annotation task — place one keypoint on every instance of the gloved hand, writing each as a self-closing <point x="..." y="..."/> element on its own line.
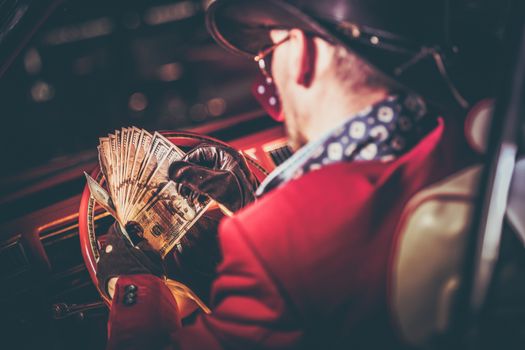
<point x="219" y="172"/>
<point x="118" y="258"/>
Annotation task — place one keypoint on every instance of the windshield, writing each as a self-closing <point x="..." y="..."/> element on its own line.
<point x="94" y="67"/>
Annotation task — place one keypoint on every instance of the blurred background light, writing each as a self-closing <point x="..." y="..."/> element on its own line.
<point x="32" y="61"/>
<point x="170" y="72"/>
<point x="80" y="31"/>
<point x="216" y="106"/>
<point x="42" y="91"/>
<point x="138" y="102"/>
<point x="170" y="13"/>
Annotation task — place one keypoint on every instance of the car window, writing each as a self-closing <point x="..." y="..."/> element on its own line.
<point x="96" y="65"/>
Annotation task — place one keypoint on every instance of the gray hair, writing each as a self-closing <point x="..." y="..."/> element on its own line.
<point x="356" y="74"/>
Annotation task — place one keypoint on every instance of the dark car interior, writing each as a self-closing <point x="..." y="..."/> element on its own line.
<point x="89" y="68"/>
<point x="72" y="71"/>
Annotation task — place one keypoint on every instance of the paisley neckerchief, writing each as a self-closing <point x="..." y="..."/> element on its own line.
<point x="381" y="132"/>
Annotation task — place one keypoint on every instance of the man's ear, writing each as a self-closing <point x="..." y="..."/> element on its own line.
<point x="303" y="50"/>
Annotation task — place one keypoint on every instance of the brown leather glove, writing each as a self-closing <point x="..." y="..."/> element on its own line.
<point x="118" y="257"/>
<point x="219" y="172"/>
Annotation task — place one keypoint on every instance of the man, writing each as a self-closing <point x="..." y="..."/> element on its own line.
<point x="306" y="265"/>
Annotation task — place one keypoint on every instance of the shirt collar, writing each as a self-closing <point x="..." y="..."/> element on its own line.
<point x="381" y="132"/>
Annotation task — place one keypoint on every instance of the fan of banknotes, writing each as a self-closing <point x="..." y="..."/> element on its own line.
<point x="140" y="195"/>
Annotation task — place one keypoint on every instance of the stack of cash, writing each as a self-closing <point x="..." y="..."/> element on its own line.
<point x="140" y="195"/>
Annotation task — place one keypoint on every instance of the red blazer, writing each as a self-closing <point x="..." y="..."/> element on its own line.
<point x="304" y="267"/>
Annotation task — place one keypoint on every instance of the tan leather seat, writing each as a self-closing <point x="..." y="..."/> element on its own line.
<point x="431" y="238"/>
<point x="429" y="255"/>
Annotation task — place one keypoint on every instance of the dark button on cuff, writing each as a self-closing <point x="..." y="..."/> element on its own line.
<point x="129" y="300"/>
<point x="130" y="295"/>
<point x="130" y="288"/>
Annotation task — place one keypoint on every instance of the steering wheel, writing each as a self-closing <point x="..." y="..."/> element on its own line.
<point x="90" y="212"/>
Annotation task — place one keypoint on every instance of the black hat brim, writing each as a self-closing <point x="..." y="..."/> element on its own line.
<point x="243" y="26"/>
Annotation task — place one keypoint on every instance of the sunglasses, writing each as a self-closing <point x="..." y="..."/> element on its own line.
<point x="264" y="58"/>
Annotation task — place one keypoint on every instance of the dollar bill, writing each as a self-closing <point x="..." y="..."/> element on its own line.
<point x="122" y="166"/>
<point x="118" y="163"/>
<point x="134" y="141"/>
<point x="101" y="196"/>
<point x="114" y="171"/>
<point x="158" y="177"/>
<point x="102" y="159"/>
<point x="167" y="218"/>
<point x="155" y="169"/>
<point x="140" y="194"/>
<point x="144" y="144"/>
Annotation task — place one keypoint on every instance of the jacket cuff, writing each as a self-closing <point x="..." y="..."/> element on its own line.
<point x="143" y="314"/>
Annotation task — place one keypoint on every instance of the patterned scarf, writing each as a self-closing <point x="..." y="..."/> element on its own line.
<point x="381" y="132"/>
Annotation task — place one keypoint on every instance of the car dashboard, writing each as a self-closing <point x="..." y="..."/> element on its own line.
<point x="42" y="266"/>
<point x="76" y="72"/>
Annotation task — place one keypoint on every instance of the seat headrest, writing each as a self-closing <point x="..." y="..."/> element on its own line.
<point x="477" y="125"/>
<point x="429" y="255"/>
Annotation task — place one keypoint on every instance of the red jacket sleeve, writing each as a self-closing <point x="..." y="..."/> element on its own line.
<point x="143" y="314"/>
<point x="249" y="310"/>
